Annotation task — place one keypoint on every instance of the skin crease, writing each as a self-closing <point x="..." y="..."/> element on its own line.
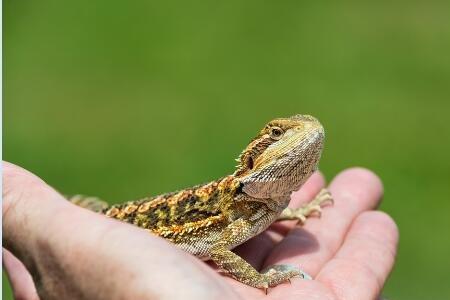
<point x="73" y="253"/>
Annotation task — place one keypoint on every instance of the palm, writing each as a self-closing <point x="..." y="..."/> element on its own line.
<point x="349" y="251"/>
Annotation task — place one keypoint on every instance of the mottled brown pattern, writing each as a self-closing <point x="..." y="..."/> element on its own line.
<point x="188" y="206"/>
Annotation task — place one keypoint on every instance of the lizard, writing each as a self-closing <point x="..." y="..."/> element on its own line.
<point x="211" y="219"/>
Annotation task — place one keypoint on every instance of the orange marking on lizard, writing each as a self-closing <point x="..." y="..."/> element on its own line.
<point x="188" y="227"/>
<point x="130" y="209"/>
<point x="205" y="191"/>
<point x="180" y="196"/>
<point x="112" y="212"/>
<point x="227" y="183"/>
<point x="151" y="204"/>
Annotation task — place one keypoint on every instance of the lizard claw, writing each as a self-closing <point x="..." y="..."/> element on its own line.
<point x="305" y="275"/>
<point x="276" y="274"/>
<point x="315" y="206"/>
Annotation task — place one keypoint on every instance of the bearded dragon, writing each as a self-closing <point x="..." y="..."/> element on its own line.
<point x="209" y="220"/>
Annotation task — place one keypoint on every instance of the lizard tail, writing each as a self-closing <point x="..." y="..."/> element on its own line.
<point x="92" y="203"/>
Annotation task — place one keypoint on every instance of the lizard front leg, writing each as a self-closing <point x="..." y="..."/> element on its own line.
<point x="241" y="270"/>
<point x="314" y="206"/>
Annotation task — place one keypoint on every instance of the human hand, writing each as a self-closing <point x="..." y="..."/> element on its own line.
<point x="72" y="253"/>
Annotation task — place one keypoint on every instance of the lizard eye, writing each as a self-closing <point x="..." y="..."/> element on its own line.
<point x="276" y="133"/>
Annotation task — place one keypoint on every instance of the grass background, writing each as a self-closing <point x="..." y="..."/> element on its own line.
<point x="125" y="99"/>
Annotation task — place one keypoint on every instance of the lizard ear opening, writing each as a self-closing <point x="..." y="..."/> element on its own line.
<point x="249" y="162"/>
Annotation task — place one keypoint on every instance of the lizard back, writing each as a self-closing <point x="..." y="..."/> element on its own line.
<point x="177" y="216"/>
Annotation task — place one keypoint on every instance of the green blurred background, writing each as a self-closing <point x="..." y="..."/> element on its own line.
<point x="125" y="99"/>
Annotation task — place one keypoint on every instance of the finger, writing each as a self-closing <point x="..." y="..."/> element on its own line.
<point x="256" y="249"/>
<point x="308" y="191"/>
<point x="360" y="267"/>
<point x="20" y="279"/>
<point x="354" y="191"/>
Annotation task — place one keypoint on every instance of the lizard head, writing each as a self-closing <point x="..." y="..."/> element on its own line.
<point x="280" y="159"/>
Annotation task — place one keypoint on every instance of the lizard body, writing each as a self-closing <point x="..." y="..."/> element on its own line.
<point x="211" y="219"/>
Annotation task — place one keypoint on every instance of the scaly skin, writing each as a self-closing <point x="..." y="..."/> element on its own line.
<point x="210" y="219"/>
